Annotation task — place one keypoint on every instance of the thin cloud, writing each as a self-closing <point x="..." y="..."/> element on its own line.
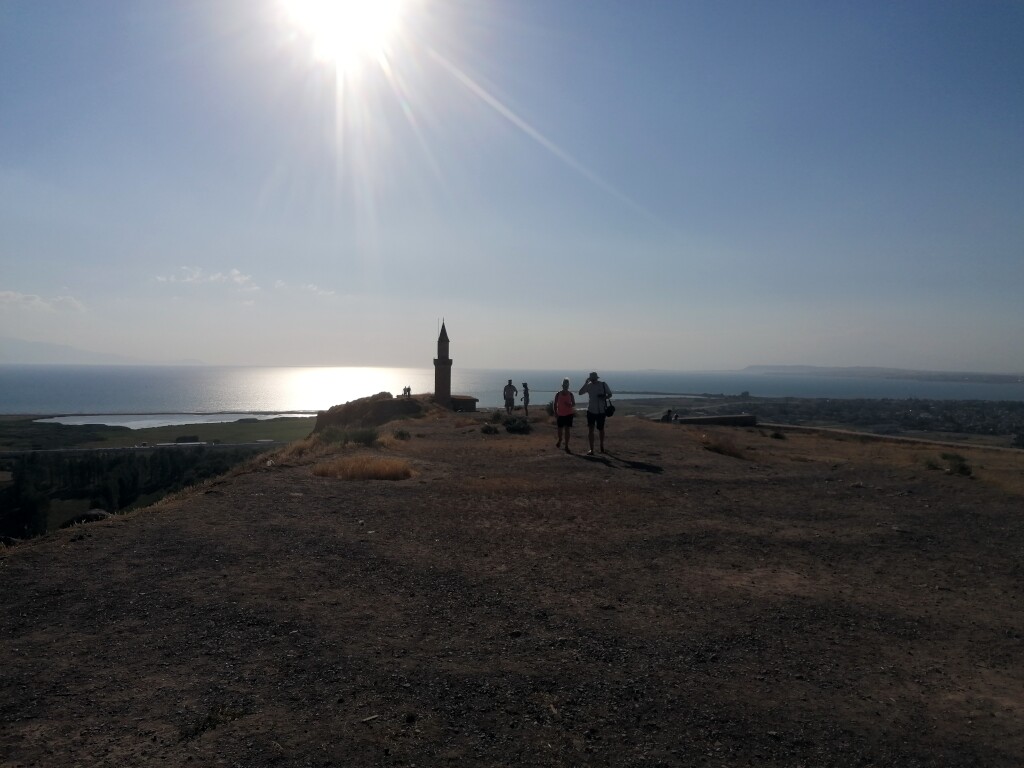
<point x="197" y="276"/>
<point x="316" y="290"/>
<point x="34" y="302"/>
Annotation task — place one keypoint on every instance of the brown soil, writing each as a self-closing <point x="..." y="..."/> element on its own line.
<point x="698" y="596"/>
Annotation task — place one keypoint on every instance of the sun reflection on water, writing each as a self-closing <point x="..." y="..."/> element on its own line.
<point x="312" y="389"/>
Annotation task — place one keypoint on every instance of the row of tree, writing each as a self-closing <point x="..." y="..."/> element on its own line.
<point x="108" y="480"/>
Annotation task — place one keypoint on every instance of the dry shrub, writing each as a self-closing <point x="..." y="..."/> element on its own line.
<point x="330" y="441"/>
<point x="721" y="444"/>
<point x="517" y="425"/>
<point x="364" y="468"/>
<point x="957" y="465"/>
<point x="308" y="447"/>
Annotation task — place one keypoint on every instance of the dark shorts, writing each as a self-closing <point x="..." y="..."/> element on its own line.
<point x="510" y="403"/>
<point x="595" y="419"/>
<point x="565" y="421"/>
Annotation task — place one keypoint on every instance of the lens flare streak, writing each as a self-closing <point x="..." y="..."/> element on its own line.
<point x="491" y="101"/>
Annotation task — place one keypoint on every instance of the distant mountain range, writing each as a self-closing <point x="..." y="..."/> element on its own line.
<point x="868" y="372"/>
<point x="21" y="352"/>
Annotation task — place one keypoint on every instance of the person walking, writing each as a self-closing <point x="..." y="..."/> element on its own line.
<point x="526" y="399"/>
<point x="510" y="393"/>
<point x="599" y="393"/>
<point x="565" y="410"/>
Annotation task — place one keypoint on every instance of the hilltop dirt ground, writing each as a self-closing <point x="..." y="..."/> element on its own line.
<point x="815" y="601"/>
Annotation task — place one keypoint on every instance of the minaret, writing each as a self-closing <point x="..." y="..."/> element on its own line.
<point x="443" y="371"/>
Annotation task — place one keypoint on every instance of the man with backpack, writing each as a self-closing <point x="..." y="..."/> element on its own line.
<point x="600" y="393"/>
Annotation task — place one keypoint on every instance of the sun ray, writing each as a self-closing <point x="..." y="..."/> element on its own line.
<point x="351" y="34"/>
<point x="494" y="103"/>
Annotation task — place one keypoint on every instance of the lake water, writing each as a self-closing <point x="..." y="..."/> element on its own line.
<point x="182" y="392"/>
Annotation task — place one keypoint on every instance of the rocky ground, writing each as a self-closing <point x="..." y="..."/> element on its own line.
<point x="697" y="596"/>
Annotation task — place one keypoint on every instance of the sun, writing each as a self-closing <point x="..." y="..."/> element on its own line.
<point x="348" y="33"/>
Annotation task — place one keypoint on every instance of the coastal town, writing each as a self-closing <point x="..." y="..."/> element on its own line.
<point x="911" y="417"/>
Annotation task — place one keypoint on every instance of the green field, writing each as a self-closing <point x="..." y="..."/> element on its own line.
<point x="22" y="433"/>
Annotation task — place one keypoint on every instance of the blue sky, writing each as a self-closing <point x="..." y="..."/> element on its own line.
<point x="570" y="184"/>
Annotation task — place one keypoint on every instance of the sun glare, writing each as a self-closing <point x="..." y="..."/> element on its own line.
<point x="348" y="33"/>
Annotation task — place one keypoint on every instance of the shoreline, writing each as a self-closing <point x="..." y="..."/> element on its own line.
<point x="262" y="390"/>
<point x="999" y="423"/>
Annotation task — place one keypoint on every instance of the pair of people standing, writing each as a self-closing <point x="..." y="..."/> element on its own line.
<point x="510" y="392"/>
<point x="599" y="394"/>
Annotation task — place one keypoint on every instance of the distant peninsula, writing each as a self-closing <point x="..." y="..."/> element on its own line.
<point x="868" y="372"/>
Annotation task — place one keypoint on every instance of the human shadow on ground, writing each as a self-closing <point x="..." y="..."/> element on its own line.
<point x="598" y="459"/>
<point x="639" y="466"/>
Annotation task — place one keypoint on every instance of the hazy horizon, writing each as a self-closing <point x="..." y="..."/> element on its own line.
<point x="69" y="356"/>
<point x="568" y="184"/>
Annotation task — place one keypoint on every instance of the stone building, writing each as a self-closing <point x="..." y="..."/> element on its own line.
<point x="443" y="378"/>
<point x="443" y="371"/>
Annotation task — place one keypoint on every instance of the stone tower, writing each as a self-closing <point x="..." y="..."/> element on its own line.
<point x="443" y="371"/>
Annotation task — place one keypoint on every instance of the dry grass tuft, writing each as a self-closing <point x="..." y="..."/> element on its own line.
<point x="364" y="468"/>
<point x="388" y="443"/>
<point x="326" y="443"/>
<point x="308" y="447"/>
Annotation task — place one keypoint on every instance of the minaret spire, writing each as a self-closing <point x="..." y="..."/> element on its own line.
<point x="443" y="370"/>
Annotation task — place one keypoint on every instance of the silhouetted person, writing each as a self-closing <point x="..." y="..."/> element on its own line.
<point x="510" y="393"/>
<point x="599" y="393"/>
<point x="526" y="399"/>
<point x="565" y="411"/>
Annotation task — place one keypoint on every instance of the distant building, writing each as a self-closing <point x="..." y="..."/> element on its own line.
<point x="443" y="379"/>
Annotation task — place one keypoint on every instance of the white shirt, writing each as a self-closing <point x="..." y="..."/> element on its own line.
<point x="599" y="393"/>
